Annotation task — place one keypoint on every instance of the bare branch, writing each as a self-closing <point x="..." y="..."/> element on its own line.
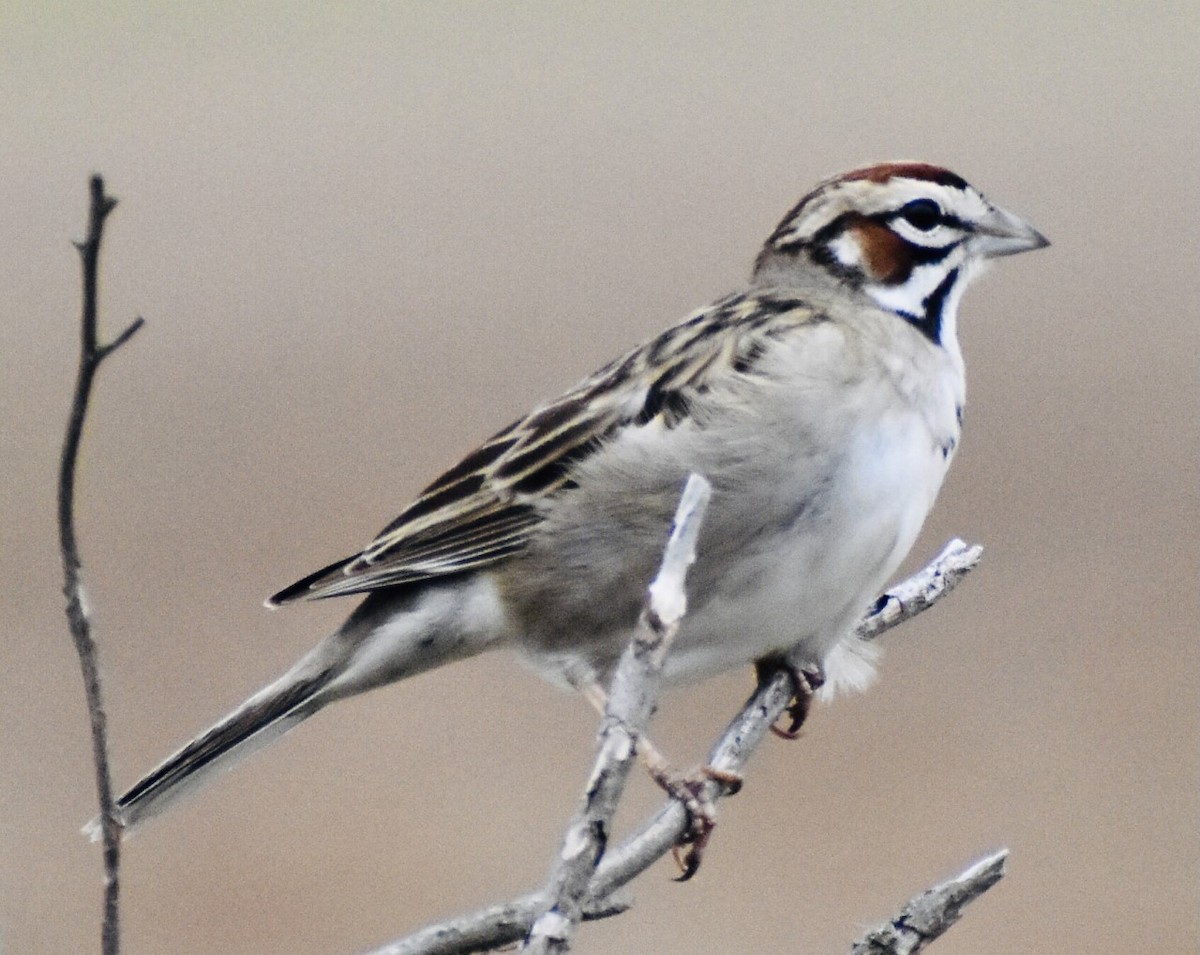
<point x="631" y="701"/>
<point x="922" y="589"/>
<point x="505" y="924"/>
<point x="91" y="354"/>
<point x="743" y="735"/>
<point x="105" y="350"/>
<point x="927" y="916"/>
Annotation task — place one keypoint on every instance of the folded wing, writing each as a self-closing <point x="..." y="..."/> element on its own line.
<point x="485" y="508"/>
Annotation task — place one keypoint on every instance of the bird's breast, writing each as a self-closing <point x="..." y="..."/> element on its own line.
<point x="820" y="489"/>
<point x="814" y="568"/>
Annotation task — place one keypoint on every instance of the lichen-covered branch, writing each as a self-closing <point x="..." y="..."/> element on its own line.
<point x="927" y="916"/>
<point x="505" y="924"/>
<point x="631" y="701"/>
<point x="91" y="354"/>
<point x="922" y="589"/>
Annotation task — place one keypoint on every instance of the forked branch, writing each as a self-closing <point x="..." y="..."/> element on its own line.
<point x="510" y="922"/>
<point x="631" y="702"/>
<point x="91" y="354"/>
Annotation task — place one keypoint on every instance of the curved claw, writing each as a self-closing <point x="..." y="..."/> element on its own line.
<point x="805" y="683"/>
<point x="689" y="862"/>
<point x="693" y="793"/>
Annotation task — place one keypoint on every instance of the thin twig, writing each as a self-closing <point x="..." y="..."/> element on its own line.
<point x="748" y="729"/>
<point x="923" y="588"/>
<point x="91" y="354"/>
<point x="931" y="913"/>
<point x="631" y="702"/>
<point x="505" y="924"/>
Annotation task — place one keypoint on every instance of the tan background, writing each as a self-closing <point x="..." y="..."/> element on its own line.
<point x="364" y="238"/>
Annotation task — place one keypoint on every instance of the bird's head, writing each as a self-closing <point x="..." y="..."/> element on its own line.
<point x="909" y="235"/>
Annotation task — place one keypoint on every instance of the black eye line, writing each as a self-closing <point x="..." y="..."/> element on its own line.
<point x="956" y="223"/>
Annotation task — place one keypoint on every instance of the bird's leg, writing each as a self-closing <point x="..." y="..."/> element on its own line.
<point x="805" y="683"/>
<point x="692" y="789"/>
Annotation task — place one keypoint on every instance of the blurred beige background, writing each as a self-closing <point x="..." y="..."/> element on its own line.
<point x="365" y="237"/>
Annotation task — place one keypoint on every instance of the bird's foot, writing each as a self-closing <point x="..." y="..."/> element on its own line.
<point x="806" y="680"/>
<point x="696" y="791"/>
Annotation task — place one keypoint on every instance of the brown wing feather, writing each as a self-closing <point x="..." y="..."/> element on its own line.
<point x="485" y="507"/>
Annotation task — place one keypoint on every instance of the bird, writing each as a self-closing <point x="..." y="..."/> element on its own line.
<point x="823" y="402"/>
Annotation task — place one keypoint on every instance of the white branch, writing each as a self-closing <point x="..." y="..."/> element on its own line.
<point x="504" y="924"/>
<point x="631" y="701"/>
<point x="920" y="591"/>
<point x="927" y="916"/>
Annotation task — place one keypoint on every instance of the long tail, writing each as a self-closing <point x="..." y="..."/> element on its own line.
<point x="388" y="637"/>
<point x="262" y="718"/>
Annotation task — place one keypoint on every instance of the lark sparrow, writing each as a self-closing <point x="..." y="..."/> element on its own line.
<point x="823" y="403"/>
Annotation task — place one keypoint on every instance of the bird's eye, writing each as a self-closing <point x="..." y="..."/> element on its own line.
<point x="923" y="214"/>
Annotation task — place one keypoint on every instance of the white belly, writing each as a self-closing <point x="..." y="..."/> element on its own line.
<point x="806" y="585"/>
